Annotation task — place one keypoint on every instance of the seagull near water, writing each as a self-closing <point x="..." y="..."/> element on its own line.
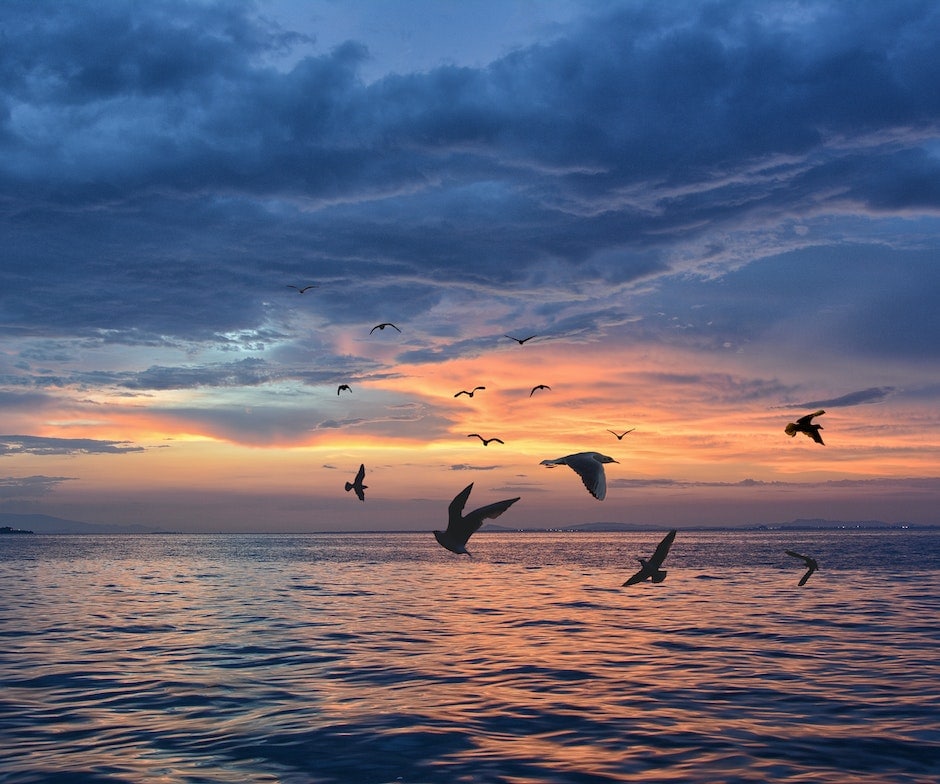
<point x="468" y="394"/>
<point x="621" y="435"/>
<point x="539" y="386"/>
<point x="357" y="485"/>
<point x="383" y="325"/>
<point x="343" y="387"/>
<point x="590" y="467"/>
<point x="811" y="565"/>
<point x="651" y="569"/>
<point x="460" y="526"/>
<point x="805" y="425"/>
<point x="486" y="441"/>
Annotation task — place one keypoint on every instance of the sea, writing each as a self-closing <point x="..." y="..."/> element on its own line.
<point x="382" y="657"/>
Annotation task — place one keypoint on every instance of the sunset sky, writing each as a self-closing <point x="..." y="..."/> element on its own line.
<point x="714" y="216"/>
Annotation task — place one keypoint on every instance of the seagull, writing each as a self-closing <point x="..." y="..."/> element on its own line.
<point x="486" y="441"/>
<point x="805" y="425"/>
<point x="383" y="326"/>
<point x="520" y="341"/>
<point x="300" y="290"/>
<point x="342" y="387"/>
<point x="357" y="485"/>
<point x="470" y="393"/>
<point x="590" y="467"/>
<point x="621" y="435"/>
<point x="539" y="386"/>
<point x="461" y="527"/>
<point x="651" y="569"/>
<point x="811" y="565"/>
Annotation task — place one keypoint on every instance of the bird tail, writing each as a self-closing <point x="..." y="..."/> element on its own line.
<point x="349" y="486"/>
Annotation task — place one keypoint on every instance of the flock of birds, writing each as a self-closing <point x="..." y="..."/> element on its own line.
<point x="589" y="466"/>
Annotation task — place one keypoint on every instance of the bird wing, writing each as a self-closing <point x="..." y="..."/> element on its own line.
<point x="360" y="491"/>
<point x="475" y="519"/>
<point x="805" y="420"/>
<point x="814" y="434"/>
<point x="361" y="475"/>
<point x="662" y="550"/>
<point x="637" y="577"/>
<point x="455" y="512"/>
<point x="803" y="558"/>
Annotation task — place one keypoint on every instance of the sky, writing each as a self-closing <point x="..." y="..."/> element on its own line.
<point x="714" y="217"/>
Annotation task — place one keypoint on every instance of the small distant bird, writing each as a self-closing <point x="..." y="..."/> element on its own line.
<point x="538" y="386"/>
<point x="343" y="387"/>
<point x="461" y="527"/>
<point x="805" y="425"/>
<point x="486" y="441"/>
<point x="520" y="341"/>
<point x="300" y="290"/>
<point x="357" y="485"/>
<point x="468" y="394"/>
<point x="811" y="565"/>
<point x="621" y="435"/>
<point x="650" y="570"/>
<point x="590" y="467"/>
<point x="383" y="326"/>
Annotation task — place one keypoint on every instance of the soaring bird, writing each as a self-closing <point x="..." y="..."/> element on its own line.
<point x="651" y="569"/>
<point x="343" y="387"/>
<point x="470" y="393"/>
<point x="383" y="326"/>
<point x="461" y="527"/>
<point x="805" y="425"/>
<point x="520" y="341"/>
<point x="621" y="435"/>
<point x="300" y="290"/>
<point x="811" y="565"/>
<point x="538" y="386"/>
<point x="357" y="485"/>
<point x="486" y="441"/>
<point x="590" y="467"/>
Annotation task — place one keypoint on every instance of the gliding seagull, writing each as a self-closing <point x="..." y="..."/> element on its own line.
<point x="343" y="387"/>
<point x="621" y="435"/>
<point x="470" y="393"/>
<point x="383" y="326"/>
<point x="651" y="569"/>
<point x="805" y="425"/>
<point x="461" y="527"/>
<point x="486" y="441"/>
<point x="539" y="386"/>
<point x="811" y="564"/>
<point x="300" y="290"/>
<point x="357" y="485"/>
<point x="520" y="341"/>
<point x="590" y="467"/>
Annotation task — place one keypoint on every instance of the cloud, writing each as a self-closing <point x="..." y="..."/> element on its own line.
<point x="468" y="467"/>
<point x="871" y="395"/>
<point x="40" y="445"/>
<point x="29" y="486"/>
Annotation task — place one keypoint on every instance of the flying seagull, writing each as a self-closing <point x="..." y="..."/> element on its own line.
<point x="805" y="425"/>
<point x="486" y="441"/>
<point x="342" y="387"/>
<point x="539" y="386"/>
<point x="383" y="326"/>
<point x="590" y="467"/>
<point x="470" y="393"/>
<point x="520" y="341"/>
<point x="461" y="527"/>
<point x="621" y="435"/>
<point x="811" y="565"/>
<point x="651" y="569"/>
<point x="357" y="485"/>
<point x="300" y="290"/>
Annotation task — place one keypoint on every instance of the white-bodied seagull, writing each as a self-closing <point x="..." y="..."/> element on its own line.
<point x="590" y="467"/>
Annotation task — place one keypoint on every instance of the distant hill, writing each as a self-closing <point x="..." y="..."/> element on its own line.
<point x="46" y="524"/>
<point x="802" y="524"/>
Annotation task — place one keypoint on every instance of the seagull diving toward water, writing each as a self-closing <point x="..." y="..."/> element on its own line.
<point x="461" y="527"/>
<point x="590" y="467"/>
<point x="805" y="425"/>
<point x="468" y="394"/>
<point x="811" y="565"/>
<point x="621" y="435"/>
<point x="520" y="341"/>
<point x="486" y="441"/>
<point x="383" y="326"/>
<point x="300" y="290"/>
<point x="539" y="386"/>
<point x="343" y="387"/>
<point x="357" y="485"/>
<point x="650" y="570"/>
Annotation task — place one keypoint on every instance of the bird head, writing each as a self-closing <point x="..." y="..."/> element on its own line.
<point x="603" y="458"/>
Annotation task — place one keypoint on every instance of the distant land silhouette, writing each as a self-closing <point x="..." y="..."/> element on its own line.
<point x="46" y="524"/>
<point x="793" y="525"/>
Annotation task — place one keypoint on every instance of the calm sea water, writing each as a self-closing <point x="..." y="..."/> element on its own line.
<point x="384" y="658"/>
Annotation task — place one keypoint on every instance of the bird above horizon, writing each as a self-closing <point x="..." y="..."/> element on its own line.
<point x="651" y="569"/>
<point x="539" y="386"/>
<point x="468" y="394"/>
<point x="357" y="485"/>
<point x="300" y="290"/>
<point x="383" y="325"/>
<point x="811" y="565"/>
<point x="342" y="387"/>
<point x="520" y="341"/>
<point x="621" y="435"/>
<point x="805" y="425"/>
<point x="461" y="527"/>
<point x="485" y="441"/>
<point x="590" y="467"/>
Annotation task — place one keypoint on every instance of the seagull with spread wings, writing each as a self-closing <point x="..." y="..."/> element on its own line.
<point x="460" y="526"/>
<point x="538" y="387"/>
<point x="486" y="441"/>
<point x="357" y="485"/>
<point x="590" y="467"/>
<point x="621" y="435"/>
<point x="343" y="388"/>
<point x="383" y="325"/>
<point x="652" y="569"/>
<point x="811" y="565"/>
<point x="805" y="425"/>
<point x="301" y="290"/>
<point x="468" y="394"/>
<point x="520" y="341"/>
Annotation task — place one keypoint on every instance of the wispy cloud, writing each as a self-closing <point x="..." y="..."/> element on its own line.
<point x="40" y="445"/>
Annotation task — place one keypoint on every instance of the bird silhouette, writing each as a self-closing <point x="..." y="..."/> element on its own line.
<point x="357" y="485"/>
<point x="651" y="569"/>
<point x="468" y="394"/>
<point x="621" y="435"/>
<point x="461" y="527"/>
<point x="811" y="565"/>
<point x="343" y="387"/>
<point x="520" y="341"/>
<point x="486" y="441"/>
<point x="805" y="425"/>
<point x="539" y="386"/>
<point x="383" y="326"/>
<point x="590" y="467"/>
<point x="300" y="290"/>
